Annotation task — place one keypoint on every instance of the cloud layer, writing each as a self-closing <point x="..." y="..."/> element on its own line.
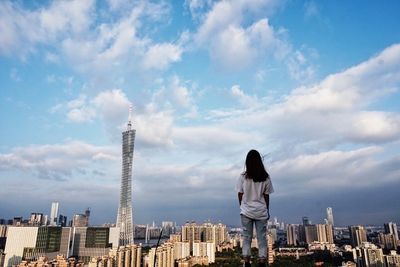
<point x="323" y="140"/>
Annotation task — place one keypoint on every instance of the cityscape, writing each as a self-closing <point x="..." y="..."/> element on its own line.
<point x="44" y="240"/>
<point x="125" y="124"/>
<point x="52" y="241"/>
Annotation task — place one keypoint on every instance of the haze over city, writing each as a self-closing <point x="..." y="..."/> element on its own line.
<point x="313" y="85"/>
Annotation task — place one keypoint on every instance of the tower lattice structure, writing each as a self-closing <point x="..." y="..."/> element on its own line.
<point x="125" y="214"/>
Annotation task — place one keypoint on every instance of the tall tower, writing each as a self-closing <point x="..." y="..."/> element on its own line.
<point x="124" y="218"/>
<point x="329" y="216"/>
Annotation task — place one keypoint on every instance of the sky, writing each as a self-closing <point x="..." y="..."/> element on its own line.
<point x="312" y="85"/>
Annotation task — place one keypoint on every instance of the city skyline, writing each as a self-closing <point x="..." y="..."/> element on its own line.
<point x="314" y="86"/>
<point x="305" y="220"/>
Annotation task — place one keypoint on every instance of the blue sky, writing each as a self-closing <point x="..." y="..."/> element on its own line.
<point x="313" y="85"/>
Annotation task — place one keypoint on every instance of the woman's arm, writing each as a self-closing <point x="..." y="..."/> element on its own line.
<point x="240" y="195"/>
<point x="266" y="197"/>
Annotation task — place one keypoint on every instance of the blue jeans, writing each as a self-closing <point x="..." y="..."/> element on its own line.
<point x="261" y="232"/>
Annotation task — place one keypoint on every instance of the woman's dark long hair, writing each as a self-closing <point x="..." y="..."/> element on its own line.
<point x="255" y="169"/>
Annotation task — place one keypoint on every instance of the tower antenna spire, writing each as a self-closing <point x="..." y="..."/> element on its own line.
<point x="130" y="117"/>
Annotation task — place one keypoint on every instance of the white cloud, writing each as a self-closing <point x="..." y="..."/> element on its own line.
<point x="176" y="96"/>
<point x="81" y="114"/>
<point x="58" y="161"/>
<point x="333" y="171"/>
<point x="112" y="105"/>
<point x="159" y="56"/>
<point x="22" y="30"/>
<point x="244" y="99"/>
<point x="233" y="45"/>
<point x="353" y="88"/>
<point x="99" y="47"/>
<point x="238" y="34"/>
<point x="52" y="57"/>
<point x="311" y="10"/>
<point x="299" y="68"/>
<point x="119" y="49"/>
<point x="332" y="112"/>
<point x="232" y="48"/>
<point x="197" y="7"/>
<point x="154" y="128"/>
<point x="374" y="126"/>
<point x="119" y="4"/>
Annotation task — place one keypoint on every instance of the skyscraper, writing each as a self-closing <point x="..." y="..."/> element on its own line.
<point x="54" y="213"/>
<point x="329" y="215"/>
<point x="391" y="228"/>
<point x="292" y="234"/>
<point x="358" y="235"/>
<point x="124" y="218"/>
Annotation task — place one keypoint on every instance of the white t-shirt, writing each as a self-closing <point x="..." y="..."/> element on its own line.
<point x="253" y="202"/>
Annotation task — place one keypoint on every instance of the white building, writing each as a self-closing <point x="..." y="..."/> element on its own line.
<point x="201" y="249"/>
<point x="17" y="239"/>
<point x="329" y="216"/>
<point x="54" y="213"/>
<point x="33" y="242"/>
<point x="181" y="250"/>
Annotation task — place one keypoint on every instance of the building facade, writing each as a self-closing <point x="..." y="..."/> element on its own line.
<point x="83" y="243"/>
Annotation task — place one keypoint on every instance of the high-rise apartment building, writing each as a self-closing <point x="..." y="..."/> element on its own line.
<point x="125" y="217"/>
<point x="79" y="220"/>
<point x="329" y="216"/>
<point x="358" y="235"/>
<point x="391" y="228"/>
<point x="311" y="233"/>
<point x="369" y="255"/>
<point x="315" y="233"/>
<point x="387" y="241"/>
<point x="3" y="230"/>
<point x="163" y="256"/>
<point x="181" y="250"/>
<point x="207" y="232"/>
<point x="292" y="233"/>
<point x="270" y="251"/>
<point x="36" y="219"/>
<point x="128" y="256"/>
<point x="54" y="213"/>
<point x="393" y="259"/>
<point x="190" y="233"/>
<point x="204" y="249"/>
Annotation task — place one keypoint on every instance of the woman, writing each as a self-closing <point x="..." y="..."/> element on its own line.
<point x="253" y="187"/>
